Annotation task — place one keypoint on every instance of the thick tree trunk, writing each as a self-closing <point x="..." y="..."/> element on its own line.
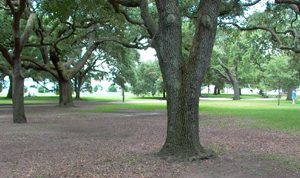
<point x="183" y="122"/>
<point x="215" y="90"/>
<point x="289" y="93"/>
<point x="18" y="94"/>
<point x="65" y="93"/>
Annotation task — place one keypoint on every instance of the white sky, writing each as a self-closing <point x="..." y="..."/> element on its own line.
<point x="147" y="55"/>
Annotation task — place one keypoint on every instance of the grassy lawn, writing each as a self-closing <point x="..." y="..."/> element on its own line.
<point x="268" y="113"/>
<point x="244" y="96"/>
<point x="141" y="106"/>
<point x="33" y="100"/>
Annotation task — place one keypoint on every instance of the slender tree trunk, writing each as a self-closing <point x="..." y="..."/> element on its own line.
<point x="65" y="93"/>
<point x="236" y="90"/>
<point x="279" y="96"/>
<point x="18" y="93"/>
<point x="164" y="93"/>
<point x="77" y="87"/>
<point x="208" y="89"/>
<point x="123" y="94"/>
<point x="10" y="90"/>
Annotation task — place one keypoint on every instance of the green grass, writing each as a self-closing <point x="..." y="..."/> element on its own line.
<point x="140" y="106"/>
<point x="268" y="113"/>
<point x="116" y="96"/>
<point x="33" y="100"/>
<point x="244" y="96"/>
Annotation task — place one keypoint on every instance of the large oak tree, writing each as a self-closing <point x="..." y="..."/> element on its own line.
<point x="182" y="76"/>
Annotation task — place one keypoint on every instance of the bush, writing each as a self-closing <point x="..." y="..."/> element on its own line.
<point x="112" y="88"/>
<point x="42" y="90"/>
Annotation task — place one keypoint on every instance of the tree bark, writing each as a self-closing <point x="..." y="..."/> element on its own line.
<point x="18" y="93"/>
<point x="236" y="90"/>
<point x="65" y="93"/>
<point x="216" y="90"/>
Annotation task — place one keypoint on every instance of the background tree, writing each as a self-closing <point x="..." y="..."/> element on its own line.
<point x="231" y="53"/>
<point x="280" y="21"/>
<point x="19" y="13"/>
<point x="121" y="66"/>
<point x="68" y="34"/>
<point x="112" y="88"/>
<point x="91" y="70"/>
<point x="148" y="76"/>
<point x="98" y="88"/>
<point x="280" y="75"/>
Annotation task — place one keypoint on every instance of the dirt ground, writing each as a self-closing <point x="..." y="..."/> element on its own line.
<point x="68" y="143"/>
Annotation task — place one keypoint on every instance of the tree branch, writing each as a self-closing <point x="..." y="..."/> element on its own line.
<point x="295" y="47"/>
<point x="291" y="2"/>
<point x="127" y="3"/>
<point x="6" y="54"/>
<point x="227" y="71"/>
<point x="28" y="29"/>
<point x="66" y="36"/>
<point x="151" y="25"/>
<point x="116" y="40"/>
<point x="39" y="65"/>
<point x="221" y="73"/>
<point x="250" y="3"/>
<point x="11" y="6"/>
<point x="124" y="13"/>
<point x="6" y="71"/>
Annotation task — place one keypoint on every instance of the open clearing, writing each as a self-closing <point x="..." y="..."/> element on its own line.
<point x="72" y="142"/>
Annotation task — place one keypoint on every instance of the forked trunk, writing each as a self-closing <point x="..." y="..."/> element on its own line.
<point x="183" y="77"/>
<point x="65" y="93"/>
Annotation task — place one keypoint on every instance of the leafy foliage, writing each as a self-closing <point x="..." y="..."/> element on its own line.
<point x="148" y="79"/>
<point x="280" y="74"/>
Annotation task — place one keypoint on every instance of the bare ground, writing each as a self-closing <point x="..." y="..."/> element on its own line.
<point x="62" y="143"/>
